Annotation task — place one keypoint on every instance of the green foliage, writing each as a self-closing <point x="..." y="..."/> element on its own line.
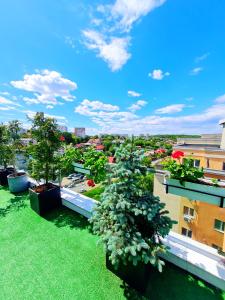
<point x="6" y="153"/>
<point x="14" y="128"/>
<point x="95" y="193"/>
<point x="70" y="155"/>
<point x="147" y="183"/>
<point x="44" y="163"/>
<point x="96" y="162"/>
<point x="129" y="219"/>
<point x="184" y="171"/>
<point x="147" y="161"/>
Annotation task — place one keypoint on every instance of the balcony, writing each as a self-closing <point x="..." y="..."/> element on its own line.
<point x="57" y="257"/>
<point x="202" y="191"/>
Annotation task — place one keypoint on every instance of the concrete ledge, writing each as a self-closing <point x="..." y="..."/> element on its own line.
<point x="190" y="255"/>
<point x="196" y="258"/>
<point x="78" y="202"/>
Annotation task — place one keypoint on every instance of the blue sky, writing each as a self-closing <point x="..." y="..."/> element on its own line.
<point x="119" y="66"/>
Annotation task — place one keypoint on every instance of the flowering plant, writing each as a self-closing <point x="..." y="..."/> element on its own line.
<point x="91" y="183"/>
<point x="177" y="154"/>
<point x="62" y="138"/>
<point x="182" y="171"/>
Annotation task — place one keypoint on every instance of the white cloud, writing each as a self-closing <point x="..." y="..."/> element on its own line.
<point x="49" y="106"/>
<point x="94" y="108"/>
<point x="7" y="108"/>
<point x="158" y="74"/>
<point x="5" y="101"/>
<point x="202" y="57"/>
<point x="189" y="98"/>
<point x="70" y="41"/>
<point x="138" y="105"/>
<point x="113" y="51"/>
<point x="127" y="12"/>
<point x="5" y="93"/>
<point x="112" y="40"/>
<point x="47" y="87"/>
<point x="174" y="108"/>
<point x="205" y="121"/>
<point x="133" y="94"/>
<point x="220" y="99"/>
<point x="196" y="71"/>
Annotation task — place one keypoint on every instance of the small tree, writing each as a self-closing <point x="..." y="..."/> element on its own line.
<point x="96" y="161"/>
<point x="14" y="128"/>
<point x="70" y="155"/>
<point x="44" y="163"/>
<point x="6" y="154"/>
<point x="130" y="220"/>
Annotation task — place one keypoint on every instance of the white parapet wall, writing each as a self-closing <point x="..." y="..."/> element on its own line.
<point x="196" y="258"/>
<point x="192" y="256"/>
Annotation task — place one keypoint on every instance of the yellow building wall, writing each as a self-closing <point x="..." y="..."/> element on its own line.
<point x="172" y="202"/>
<point x="205" y="214"/>
<point x="202" y="226"/>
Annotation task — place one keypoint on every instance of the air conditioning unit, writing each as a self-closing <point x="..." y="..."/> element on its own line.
<point x="188" y="218"/>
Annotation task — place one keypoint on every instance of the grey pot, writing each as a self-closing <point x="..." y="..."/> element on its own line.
<point x="19" y="183"/>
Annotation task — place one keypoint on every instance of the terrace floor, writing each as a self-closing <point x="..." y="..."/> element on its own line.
<point x="58" y="258"/>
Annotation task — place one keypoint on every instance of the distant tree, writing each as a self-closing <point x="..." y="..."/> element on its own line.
<point x="129" y="219"/>
<point x="96" y="162"/>
<point x="69" y="138"/>
<point x="69" y="156"/>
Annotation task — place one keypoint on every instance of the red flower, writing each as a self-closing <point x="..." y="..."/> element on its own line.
<point x="177" y="154"/>
<point x="91" y="183"/>
<point x="62" y="139"/>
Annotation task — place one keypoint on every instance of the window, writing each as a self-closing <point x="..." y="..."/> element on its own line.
<point x="223" y="167"/>
<point x="207" y="163"/>
<point x="188" y="211"/>
<point x="197" y="163"/>
<point x="186" y="232"/>
<point x="219" y="225"/>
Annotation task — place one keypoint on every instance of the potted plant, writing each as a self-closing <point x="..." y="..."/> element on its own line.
<point x="44" y="164"/>
<point x="187" y="181"/>
<point x="130" y="220"/>
<point x="6" y="155"/>
<point x="17" y="180"/>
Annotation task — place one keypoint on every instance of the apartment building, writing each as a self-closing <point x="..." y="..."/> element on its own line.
<point x="198" y="220"/>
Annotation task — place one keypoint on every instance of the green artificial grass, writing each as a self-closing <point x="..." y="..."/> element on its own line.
<point x="95" y="193"/>
<point x="58" y="258"/>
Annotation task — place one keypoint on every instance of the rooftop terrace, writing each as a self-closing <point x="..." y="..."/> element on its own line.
<point x="58" y="258"/>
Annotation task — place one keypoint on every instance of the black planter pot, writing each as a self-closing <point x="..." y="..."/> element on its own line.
<point x="137" y="277"/>
<point x="45" y="201"/>
<point x="3" y="175"/>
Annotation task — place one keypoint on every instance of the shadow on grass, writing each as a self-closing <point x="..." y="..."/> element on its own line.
<point x="15" y="203"/>
<point x="174" y="284"/>
<point x="65" y="217"/>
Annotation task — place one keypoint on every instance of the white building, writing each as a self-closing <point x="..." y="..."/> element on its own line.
<point x="80" y="132"/>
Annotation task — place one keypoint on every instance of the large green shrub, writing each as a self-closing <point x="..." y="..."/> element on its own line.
<point x="129" y="219"/>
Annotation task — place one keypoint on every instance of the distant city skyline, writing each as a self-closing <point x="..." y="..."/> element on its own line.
<point x="116" y="66"/>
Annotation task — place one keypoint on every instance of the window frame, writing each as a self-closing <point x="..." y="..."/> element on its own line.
<point x="195" y="163"/>
<point x="221" y="226"/>
<point x="188" y="232"/>
<point x="189" y="209"/>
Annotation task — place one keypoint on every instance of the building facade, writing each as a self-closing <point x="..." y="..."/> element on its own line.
<point x="80" y="132"/>
<point x="195" y="219"/>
